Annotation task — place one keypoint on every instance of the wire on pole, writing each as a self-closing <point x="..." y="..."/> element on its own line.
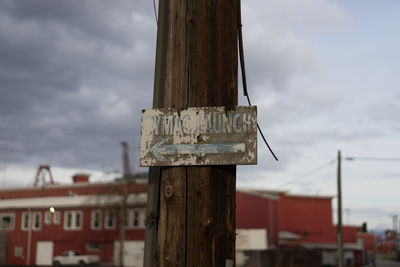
<point x="309" y="172"/>
<point x="243" y="68"/>
<point x="372" y="158"/>
<point x="155" y="11"/>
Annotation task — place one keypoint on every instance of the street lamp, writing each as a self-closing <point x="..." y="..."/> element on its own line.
<point x="394" y="216"/>
<point x="339" y="188"/>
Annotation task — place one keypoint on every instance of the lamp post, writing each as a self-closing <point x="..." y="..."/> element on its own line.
<point x="29" y="241"/>
<point x="339" y="225"/>
<point x="394" y="216"/>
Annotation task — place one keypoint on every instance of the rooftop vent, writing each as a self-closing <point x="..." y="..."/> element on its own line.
<point x="80" y="178"/>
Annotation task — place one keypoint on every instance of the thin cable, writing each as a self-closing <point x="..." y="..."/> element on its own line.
<point x="323" y="183"/>
<point x="372" y="158"/>
<point x="241" y="53"/>
<point x="243" y="68"/>
<point x="265" y="141"/>
<point x="309" y="173"/>
<point x="155" y="11"/>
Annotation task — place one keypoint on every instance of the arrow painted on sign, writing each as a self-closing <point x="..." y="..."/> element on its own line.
<point x="158" y="150"/>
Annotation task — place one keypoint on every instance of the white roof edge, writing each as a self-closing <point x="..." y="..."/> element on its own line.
<point x="284" y="234"/>
<point x="70" y="201"/>
<point x="278" y="191"/>
<point x="258" y="194"/>
<point x="309" y="196"/>
<point x="53" y="186"/>
<point x="351" y="246"/>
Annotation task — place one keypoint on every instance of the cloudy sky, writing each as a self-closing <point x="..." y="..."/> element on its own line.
<point x="74" y="76"/>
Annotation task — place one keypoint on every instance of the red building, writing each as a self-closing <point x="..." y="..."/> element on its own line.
<point x="299" y="221"/>
<point x="386" y="244"/>
<point x="39" y="223"/>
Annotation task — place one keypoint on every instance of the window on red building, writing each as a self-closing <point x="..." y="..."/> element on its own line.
<point x="18" y="251"/>
<point x="78" y="216"/>
<point x="47" y="217"/>
<point x="37" y="220"/>
<point x="93" y="246"/>
<point x="68" y="218"/>
<point x="7" y="221"/>
<point x="56" y="217"/>
<point x="96" y="218"/>
<point x="136" y="218"/>
<point x="25" y="221"/>
<point x="73" y="220"/>
<point x="109" y="222"/>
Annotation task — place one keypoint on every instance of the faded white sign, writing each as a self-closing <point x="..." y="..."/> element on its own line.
<point x="251" y="239"/>
<point x="199" y="136"/>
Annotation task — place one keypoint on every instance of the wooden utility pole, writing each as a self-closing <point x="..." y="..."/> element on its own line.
<point x="339" y="214"/>
<point x="124" y="199"/>
<point x="394" y="219"/>
<point x="196" y="224"/>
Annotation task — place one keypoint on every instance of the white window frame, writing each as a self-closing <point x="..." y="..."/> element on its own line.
<point x="18" y="251"/>
<point x="57" y="217"/>
<point x="47" y="217"/>
<point x="12" y="221"/>
<point x="106" y="218"/>
<point x="133" y="218"/>
<point x="93" y="217"/>
<point x="143" y="217"/>
<point x="140" y="218"/>
<point x="24" y="214"/>
<point x="66" y="215"/>
<point x="34" y="222"/>
<point x="74" y="225"/>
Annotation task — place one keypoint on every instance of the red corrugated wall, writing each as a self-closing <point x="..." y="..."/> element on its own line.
<point x="255" y="212"/>
<point x="66" y="239"/>
<point x="309" y="217"/>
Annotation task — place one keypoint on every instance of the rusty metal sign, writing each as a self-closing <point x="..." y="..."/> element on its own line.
<point x="199" y="136"/>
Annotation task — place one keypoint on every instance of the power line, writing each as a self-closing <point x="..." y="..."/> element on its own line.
<point x="155" y="11"/>
<point x="323" y="183"/>
<point x="309" y="172"/>
<point x="372" y="158"/>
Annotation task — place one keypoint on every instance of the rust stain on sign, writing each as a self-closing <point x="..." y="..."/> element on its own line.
<point x="199" y="136"/>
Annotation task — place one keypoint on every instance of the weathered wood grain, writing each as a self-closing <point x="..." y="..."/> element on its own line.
<point x="197" y="204"/>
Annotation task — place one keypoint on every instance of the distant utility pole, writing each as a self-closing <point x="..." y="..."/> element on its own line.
<point x="124" y="199"/>
<point x="394" y="218"/>
<point x="339" y="215"/>
<point x="197" y="57"/>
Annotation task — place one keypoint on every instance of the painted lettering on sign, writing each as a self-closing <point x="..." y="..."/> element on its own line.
<point x="215" y="123"/>
<point x="199" y="136"/>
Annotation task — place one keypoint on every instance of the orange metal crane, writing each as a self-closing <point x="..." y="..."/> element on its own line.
<point x="41" y="174"/>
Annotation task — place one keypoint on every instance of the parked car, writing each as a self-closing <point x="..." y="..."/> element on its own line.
<point x="72" y="257"/>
